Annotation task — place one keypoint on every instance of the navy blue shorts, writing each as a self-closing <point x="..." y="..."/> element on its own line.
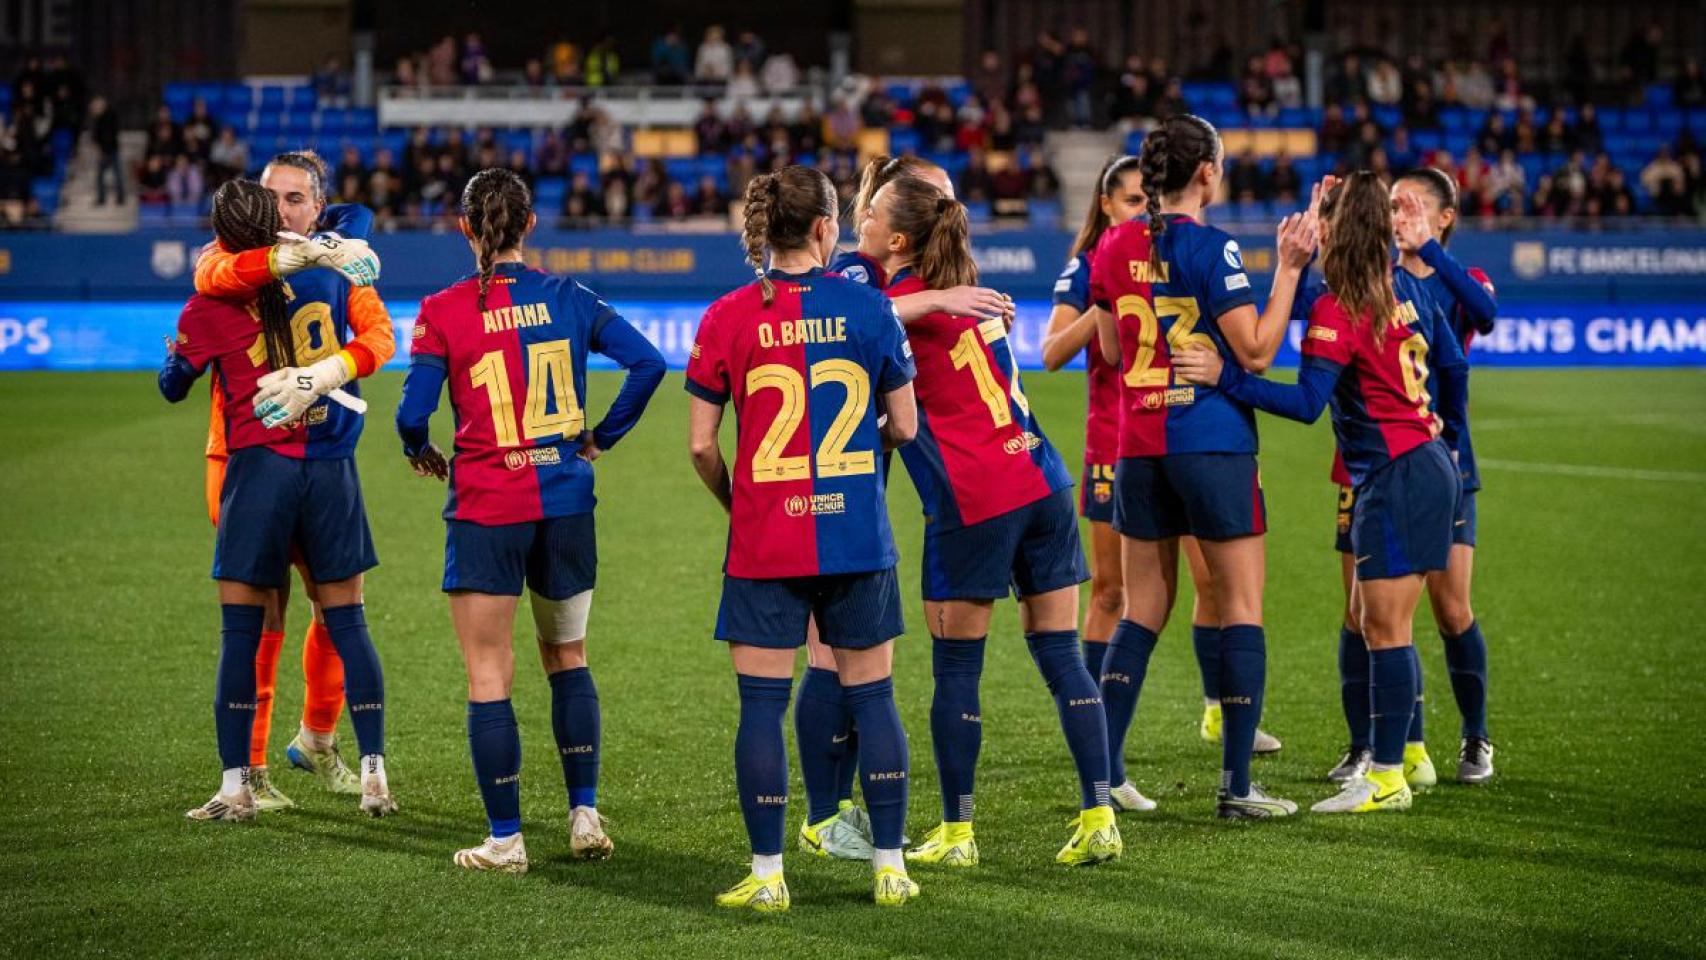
<point x="1402" y="522"/>
<point x="1463" y="525"/>
<point x="1212" y="496"/>
<point x="556" y="557"/>
<point x="271" y="503"/>
<point x="854" y="611"/>
<point x="1342" y="522"/>
<point x="1096" y="493"/>
<point x="1028" y="551"/>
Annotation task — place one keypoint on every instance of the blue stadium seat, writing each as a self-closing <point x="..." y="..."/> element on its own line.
<point x="272" y="100"/>
<point x="682" y="169"/>
<point x="364" y="120"/>
<point x="1387" y="117"/>
<point x="1668" y="122"/>
<point x="586" y="163"/>
<point x="1297" y="117"/>
<point x="1454" y="120"/>
<point x="153" y="215"/>
<point x="1458" y="142"/>
<point x="299" y="125"/>
<point x="303" y="99"/>
<point x="1426" y="140"/>
<point x="548" y="193"/>
<point x="513" y="140"/>
<point x="1134" y="142"/>
<point x="954" y="162"/>
<point x="1046" y="213"/>
<point x="977" y="211"/>
<point x="903" y="140"/>
<point x="45" y="190"/>
<point x="331" y="123"/>
<point x="958" y="94"/>
<point x="1660" y="96"/>
<point x="237" y="96"/>
<point x="179" y="97"/>
<point x="716" y="169"/>
<point x="394" y="140"/>
<point x="1610" y="121"/>
<point x="1637" y="121"/>
<point x="234" y="118"/>
<point x="901" y="93"/>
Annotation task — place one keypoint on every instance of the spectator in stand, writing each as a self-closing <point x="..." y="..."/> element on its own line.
<point x="1556" y="136"/>
<point x="1287" y="86"/>
<point x="780" y="72"/>
<point x="1001" y="133"/>
<point x="227" y="159"/>
<point x="1588" y="136"/>
<point x="1494" y="135"/>
<point x="744" y="84"/>
<point x="806" y="131"/>
<point x="1030" y="130"/>
<point x="1244" y="181"/>
<point x="710" y="130"/>
<point x="405" y="74"/>
<point x="971" y="130"/>
<point x="1689" y="88"/>
<point x="1385" y="83"/>
<point x="715" y="60"/>
<point x="616" y="203"/>
<point x="553" y="157"/>
<point x="1475" y="87"/>
<point x="1545" y="201"/>
<point x="582" y="203"/>
<point x="164" y="138"/>
<point x="1507" y="88"/>
<point x="976" y="183"/>
<point x="1172" y="102"/>
<point x="185" y="185"/>
<point x="15" y="198"/>
<point x="1285" y="184"/>
<point x="1638" y="63"/>
<point x="200" y="126"/>
<point x="533" y="74"/>
<point x="1509" y="183"/>
<point x="1346" y="83"/>
<point x="673" y="203"/>
<point x="1335" y="134"/>
<point x="1400" y="151"/>
<point x="1080" y="69"/>
<point x="669" y="58"/>
<point x="1047" y="65"/>
<point x="474" y="68"/>
<point x="351" y="189"/>
<point x="603" y="66"/>
<point x="1526" y="133"/>
<point x="441" y="62"/>
<point x="103" y="133"/>
<point x="565" y="63"/>
<point x="1044" y="184"/>
<point x="841" y="127"/>
<point x="1133" y="99"/>
<point x="1615" y="197"/>
<point x="519" y="166"/>
<point x="1694" y="184"/>
<point x="1255" y="90"/>
<point x="989" y="79"/>
<point x="350" y="165"/>
<point x="151" y="181"/>
<point x="749" y="49"/>
<point x="707" y="200"/>
<point x="331" y="84"/>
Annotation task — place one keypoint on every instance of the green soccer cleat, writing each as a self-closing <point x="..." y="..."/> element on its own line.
<point x="763" y="896"/>
<point x="323" y="764"/>
<point x="949" y="845"/>
<point x="1095" y="839"/>
<point x="1419" y="770"/>
<point x="1380" y="791"/>
<point x="267" y="796"/>
<point x="836" y="837"/>
<point x="893" y="887"/>
<point x="1213" y="721"/>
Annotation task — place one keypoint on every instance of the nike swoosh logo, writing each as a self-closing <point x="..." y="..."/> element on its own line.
<point x="1361" y="559"/>
<point x="1383" y="797"/>
<point x="840" y="739"/>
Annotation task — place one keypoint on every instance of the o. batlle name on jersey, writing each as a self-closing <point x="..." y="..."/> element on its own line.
<point x="804" y="330"/>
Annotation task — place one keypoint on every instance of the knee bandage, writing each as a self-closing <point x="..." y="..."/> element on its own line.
<point x="562" y="621"/>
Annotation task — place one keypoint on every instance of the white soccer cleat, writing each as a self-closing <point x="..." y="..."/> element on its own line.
<point x="236" y="807"/>
<point x="508" y="855"/>
<point x="1126" y="799"/>
<point x="376" y="799"/>
<point x="587" y="839"/>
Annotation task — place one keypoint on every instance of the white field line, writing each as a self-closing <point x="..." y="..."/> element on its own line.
<point x="1593" y="470"/>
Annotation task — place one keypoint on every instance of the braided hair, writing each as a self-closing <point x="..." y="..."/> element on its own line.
<point x="1096" y="221"/>
<point x="1443" y="187"/>
<point x="245" y="217"/>
<point x="496" y="203"/>
<point x="781" y="208"/>
<point x="1171" y="155"/>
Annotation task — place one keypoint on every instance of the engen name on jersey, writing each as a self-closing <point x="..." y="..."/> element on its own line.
<point x="804" y="330"/>
<point x="516" y="316"/>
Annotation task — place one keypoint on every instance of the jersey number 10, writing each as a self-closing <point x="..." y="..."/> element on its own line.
<point x="552" y="407"/>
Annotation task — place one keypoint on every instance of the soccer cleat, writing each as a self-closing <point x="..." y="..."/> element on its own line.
<point x="1258" y="804"/>
<point x="949" y="845"/>
<point x="508" y="855"/>
<point x="764" y="896"/>
<point x="836" y="837"/>
<point x="892" y="887"/>
<point x="324" y="764"/>
<point x="1475" y="760"/>
<point x="1352" y="765"/>
<point x="1213" y="722"/>
<point x="1381" y="790"/>
<point x="1126" y="799"/>
<point x="1419" y="770"/>
<point x="1095" y="839"/>
<point x="376" y="799"/>
<point x="232" y="808"/>
<point x="861" y="821"/>
<point x="587" y="839"/>
<point x="267" y="796"/>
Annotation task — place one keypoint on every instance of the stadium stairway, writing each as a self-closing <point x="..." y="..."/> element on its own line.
<point x="1077" y="156"/>
<point x="77" y="210"/>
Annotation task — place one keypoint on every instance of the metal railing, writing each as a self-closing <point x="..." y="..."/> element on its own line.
<point x="630" y="106"/>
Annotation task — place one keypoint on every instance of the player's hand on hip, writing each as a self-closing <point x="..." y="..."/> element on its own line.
<point x="430" y="463"/>
<point x="285" y="395"/>
<point x="1198" y="366"/>
<point x="590" y="450"/>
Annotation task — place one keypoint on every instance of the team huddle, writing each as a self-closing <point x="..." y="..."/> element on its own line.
<point x="833" y="363"/>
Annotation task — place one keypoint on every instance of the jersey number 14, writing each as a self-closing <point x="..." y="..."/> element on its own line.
<point x="551" y="409"/>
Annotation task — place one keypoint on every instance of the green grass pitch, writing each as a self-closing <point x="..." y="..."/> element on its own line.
<point x="1589" y="843"/>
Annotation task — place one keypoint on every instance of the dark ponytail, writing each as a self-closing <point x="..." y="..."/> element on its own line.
<point x="1171" y="154"/>
<point x="496" y="204"/>
<point x="1444" y="189"/>
<point x="1096" y="221"/>
<point x="937" y="230"/>
<point x="780" y="210"/>
<point x="245" y="217"/>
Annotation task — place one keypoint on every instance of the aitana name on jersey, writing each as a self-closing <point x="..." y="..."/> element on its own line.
<point x="788" y="333"/>
<point x="518" y="315"/>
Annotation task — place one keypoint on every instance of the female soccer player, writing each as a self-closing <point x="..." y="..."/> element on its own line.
<point x="291" y="483"/>
<point x="1072" y="328"/>
<point x="823" y="726"/>
<point x="1187" y="456"/>
<point x="1467" y="298"/>
<point x="512" y="343"/>
<point x="807" y="358"/>
<point x="297" y="181"/>
<point x="998" y="512"/>
<point x="1364" y="353"/>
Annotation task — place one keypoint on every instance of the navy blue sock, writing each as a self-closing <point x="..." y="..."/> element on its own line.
<point x="883" y="759"/>
<point x="1243" y="678"/>
<point x="1206" y="642"/>
<point x="1466" y="657"/>
<point x="956" y="722"/>
<point x="1122" y="680"/>
<point x="761" y="760"/>
<point x="1353" y="686"/>
<point x="494" y="742"/>
<point x="364" y="682"/>
<point x="819" y="718"/>
<point x="1079" y="702"/>
<point x="1094" y="653"/>
<point x="234" y="684"/>
<point x="847" y="762"/>
<point x="1415" y="734"/>
<point x="576" y="723"/>
<point x="1392" y="700"/>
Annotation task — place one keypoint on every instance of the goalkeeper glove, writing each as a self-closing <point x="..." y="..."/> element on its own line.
<point x="284" y="395"/>
<point x="352" y="258"/>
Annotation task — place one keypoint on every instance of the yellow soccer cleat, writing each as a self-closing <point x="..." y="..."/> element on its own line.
<point x="1419" y="770"/>
<point x="1380" y="791"/>
<point x="1095" y="839"/>
<point x="267" y="796"/>
<point x="1212" y="719"/>
<point x="893" y="887"/>
<point x="949" y="845"/>
<point x="764" y="896"/>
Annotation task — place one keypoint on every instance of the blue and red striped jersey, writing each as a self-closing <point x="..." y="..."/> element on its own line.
<point x="804" y="373"/>
<point x="1102" y="381"/>
<point x="859" y="268"/>
<point x="1162" y="308"/>
<point x="979" y="452"/>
